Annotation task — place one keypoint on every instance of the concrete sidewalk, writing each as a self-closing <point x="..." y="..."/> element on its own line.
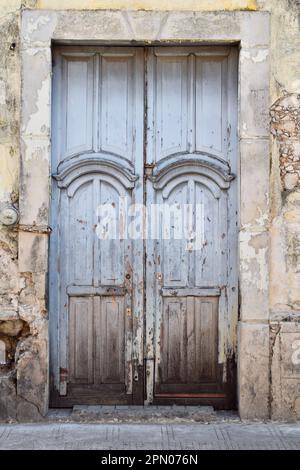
<point x="196" y="436"/>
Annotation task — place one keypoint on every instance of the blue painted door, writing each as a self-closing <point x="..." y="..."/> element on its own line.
<point x="148" y="314"/>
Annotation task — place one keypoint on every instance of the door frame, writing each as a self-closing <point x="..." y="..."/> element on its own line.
<point x="249" y="30"/>
<point x="143" y="317"/>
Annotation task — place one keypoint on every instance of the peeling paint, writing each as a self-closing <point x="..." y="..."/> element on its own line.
<point x="260" y="55"/>
<point x="2" y="92"/>
<point x="254" y="259"/>
<point x="35" y="25"/>
<point x="195" y="5"/>
<point x="43" y="109"/>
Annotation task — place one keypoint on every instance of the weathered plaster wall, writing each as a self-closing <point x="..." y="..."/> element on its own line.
<point x="275" y="341"/>
<point x="196" y="5"/>
<point x="285" y="210"/>
<point x="23" y="324"/>
<point x="23" y="316"/>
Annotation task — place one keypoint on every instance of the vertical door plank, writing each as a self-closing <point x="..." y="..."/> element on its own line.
<point x="192" y="353"/>
<point x="174" y="341"/>
<point x="81" y="340"/>
<point x="207" y="333"/>
<point x="111" y="337"/>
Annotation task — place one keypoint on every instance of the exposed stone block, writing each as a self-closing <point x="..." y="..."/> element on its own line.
<point x="27" y="412"/>
<point x="11" y="327"/>
<point x="8" y="314"/>
<point x="285" y="370"/>
<point x="7" y="397"/>
<point x="253" y="370"/>
<point x="32" y="370"/>
<point x="32" y="252"/>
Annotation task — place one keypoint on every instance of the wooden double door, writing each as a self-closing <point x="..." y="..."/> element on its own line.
<point x="144" y="148"/>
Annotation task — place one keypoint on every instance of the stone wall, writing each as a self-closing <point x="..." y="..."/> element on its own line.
<point x="23" y="314"/>
<point x="285" y="211"/>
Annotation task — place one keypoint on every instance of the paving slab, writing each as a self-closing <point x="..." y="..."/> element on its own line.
<point x="122" y="436"/>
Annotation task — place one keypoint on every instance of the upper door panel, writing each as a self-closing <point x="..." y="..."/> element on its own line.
<point x="188" y="102"/>
<point x="98" y="98"/>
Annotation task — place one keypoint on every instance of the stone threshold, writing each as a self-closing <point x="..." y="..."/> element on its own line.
<point x="140" y="414"/>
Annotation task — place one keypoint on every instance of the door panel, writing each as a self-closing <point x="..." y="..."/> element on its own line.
<point x="189" y="341"/>
<point x="174" y="255"/>
<point x="117" y="104"/>
<point x="189" y="87"/>
<point x="111" y="354"/>
<point x="80" y="235"/>
<point x="171" y="110"/>
<point x="81" y="340"/>
<point x="77" y="104"/>
<point x="211" y="96"/>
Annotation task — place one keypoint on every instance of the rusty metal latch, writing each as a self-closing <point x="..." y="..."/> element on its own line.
<point x="40" y="229"/>
<point x="148" y="167"/>
<point x="128" y="312"/>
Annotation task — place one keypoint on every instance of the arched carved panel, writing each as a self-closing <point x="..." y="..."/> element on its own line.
<point x="71" y="170"/>
<point x="81" y="236"/>
<point x="95" y="256"/>
<point x="213" y="175"/>
<point x="174" y="250"/>
<point x="193" y="229"/>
